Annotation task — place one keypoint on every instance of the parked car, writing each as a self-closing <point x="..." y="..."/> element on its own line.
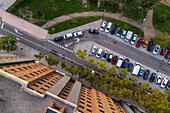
<point x="93" y="50"/>
<point x="113" y="31"/>
<point x="168" y="86"/>
<point x="141" y="71"/>
<point x="145" y="43"/>
<point x="130" y="66"/>
<point x="152" y="78"/>
<point x="103" y="26"/>
<point x="158" y="79"/>
<point x="99" y="53"/>
<point x="146" y="74"/>
<point x="110" y="57"/>
<point x="163" y="51"/>
<point x="58" y="38"/>
<point x="123" y="34"/>
<point x="150" y="46"/>
<point x="128" y="36"/>
<point x="136" y="69"/>
<point x="119" y="62"/>
<point x="139" y="43"/>
<point x="156" y="49"/>
<point x="164" y="82"/>
<point x="134" y="38"/>
<point x="94" y="31"/>
<point x="125" y="63"/>
<point x="169" y="61"/>
<point x="119" y="32"/>
<point x="167" y="56"/>
<point x="109" y="25"/>
<point x="115" y="59"/>
<point x="78" y="33"/>
<point x="69" y="35"/>
<point x="105" y="55"/>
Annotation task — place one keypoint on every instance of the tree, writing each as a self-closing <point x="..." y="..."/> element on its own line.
<point x="102" y="64"/>
<point x="145" y="85"/>
<point x="63" y="65"/>
<point x="8" y="43"/>
<point x="81" y="53"/>
<point x="162" y="39"/>
<point x="39" y="56"/>
<point x="51" y="61"/>
<point x="133" y="78"/>
<point x="92" y="60"/>
<point x="123" y="72"/>
<point x="112" y="69"/>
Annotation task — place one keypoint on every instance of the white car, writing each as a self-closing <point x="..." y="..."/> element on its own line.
<point x="136" y="69"/>
<point x="93" y="50"/>
<point x="78" y="33"/>
<point x="69" y="35"/>
<point x="119" y="62"/>
<point x="156" y="49"/>
<point x="134" y="38"/>
<point x="164" y="82"/>
<point x="128" y="36"/>
<point x="123" y="34"/>
<point x="103" y="26"/>
<point x="169" y="61"/>
<point x="158" y="79"/>
<point x="99" y="53"/>
<point x="109" y="25"/>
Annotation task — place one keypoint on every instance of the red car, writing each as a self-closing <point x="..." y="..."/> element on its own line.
<point x="163" y="51"/>
<point x="167" y="56"/>
<point x="139" y="43"/>
<point x="115" y="59"/>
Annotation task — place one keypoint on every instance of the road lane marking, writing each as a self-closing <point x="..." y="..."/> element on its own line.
<point x="2" y="25"/>
<point x="17" y="31"/>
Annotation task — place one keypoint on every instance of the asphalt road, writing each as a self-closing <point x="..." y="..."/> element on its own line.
<point x="130" y="52"/>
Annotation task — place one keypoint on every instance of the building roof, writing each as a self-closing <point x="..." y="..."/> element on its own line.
<point x="6" y="55"/>
<point x="74" y="94"/>
<point x="126" y="107"/>
<point x="15" y="60"/>
<point x="58" y="87"/>
<point x="23" y="25"/>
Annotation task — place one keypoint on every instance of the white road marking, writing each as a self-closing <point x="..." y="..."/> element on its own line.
<point x="68" y="44"/>
<point x="77" y="39"/>
<point x="2" y="25"/>
<point x="17" y="31"/>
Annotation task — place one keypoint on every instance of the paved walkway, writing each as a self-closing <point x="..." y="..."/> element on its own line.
<point x="5" y="4"/>
<point x="149" y="30"/>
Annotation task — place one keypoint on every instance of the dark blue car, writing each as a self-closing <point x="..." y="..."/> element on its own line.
<point x="146" y="74"/>
<point x="130" y="66"/>
<point x="152" y="78"/>
<point x="113" y="31"/>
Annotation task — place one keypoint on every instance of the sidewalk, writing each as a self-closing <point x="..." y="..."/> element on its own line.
<point x="5" y="4"/>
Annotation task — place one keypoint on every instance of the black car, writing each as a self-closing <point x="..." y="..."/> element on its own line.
<point x="114" y="29"/>
<point x="125" y="63"/>
<point x="150" y="46"/>
<point x="146" y="74"/>
<point x="152" y="78"/>
<point x="94" y="31"/>
<point x="110" y="57"/>
<point x="58" y="38"/>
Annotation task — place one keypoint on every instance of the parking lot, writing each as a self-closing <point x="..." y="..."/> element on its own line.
<point x="89" y="45"/>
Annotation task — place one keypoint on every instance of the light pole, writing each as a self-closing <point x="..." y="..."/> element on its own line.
<point x="103" y="14"/>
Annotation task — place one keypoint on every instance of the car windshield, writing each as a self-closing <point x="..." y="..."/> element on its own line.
<point x="139" y="43"/>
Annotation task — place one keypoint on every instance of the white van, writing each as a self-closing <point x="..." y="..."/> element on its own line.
<point x="119" y="62"/>
<point x="136" y="69"/>
<point x="69" y="35"/>
<point x="128" y="36"/>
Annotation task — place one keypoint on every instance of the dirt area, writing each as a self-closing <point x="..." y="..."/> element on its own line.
<point x="27" y="14"/>
<point x="166" y="2"/>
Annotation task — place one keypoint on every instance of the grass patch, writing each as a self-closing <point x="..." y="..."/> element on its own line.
<point x="84" y="20"/>
<point x="161" y="17"/>
<point x="54" y="8"/>
<point x="68" y="24"/>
